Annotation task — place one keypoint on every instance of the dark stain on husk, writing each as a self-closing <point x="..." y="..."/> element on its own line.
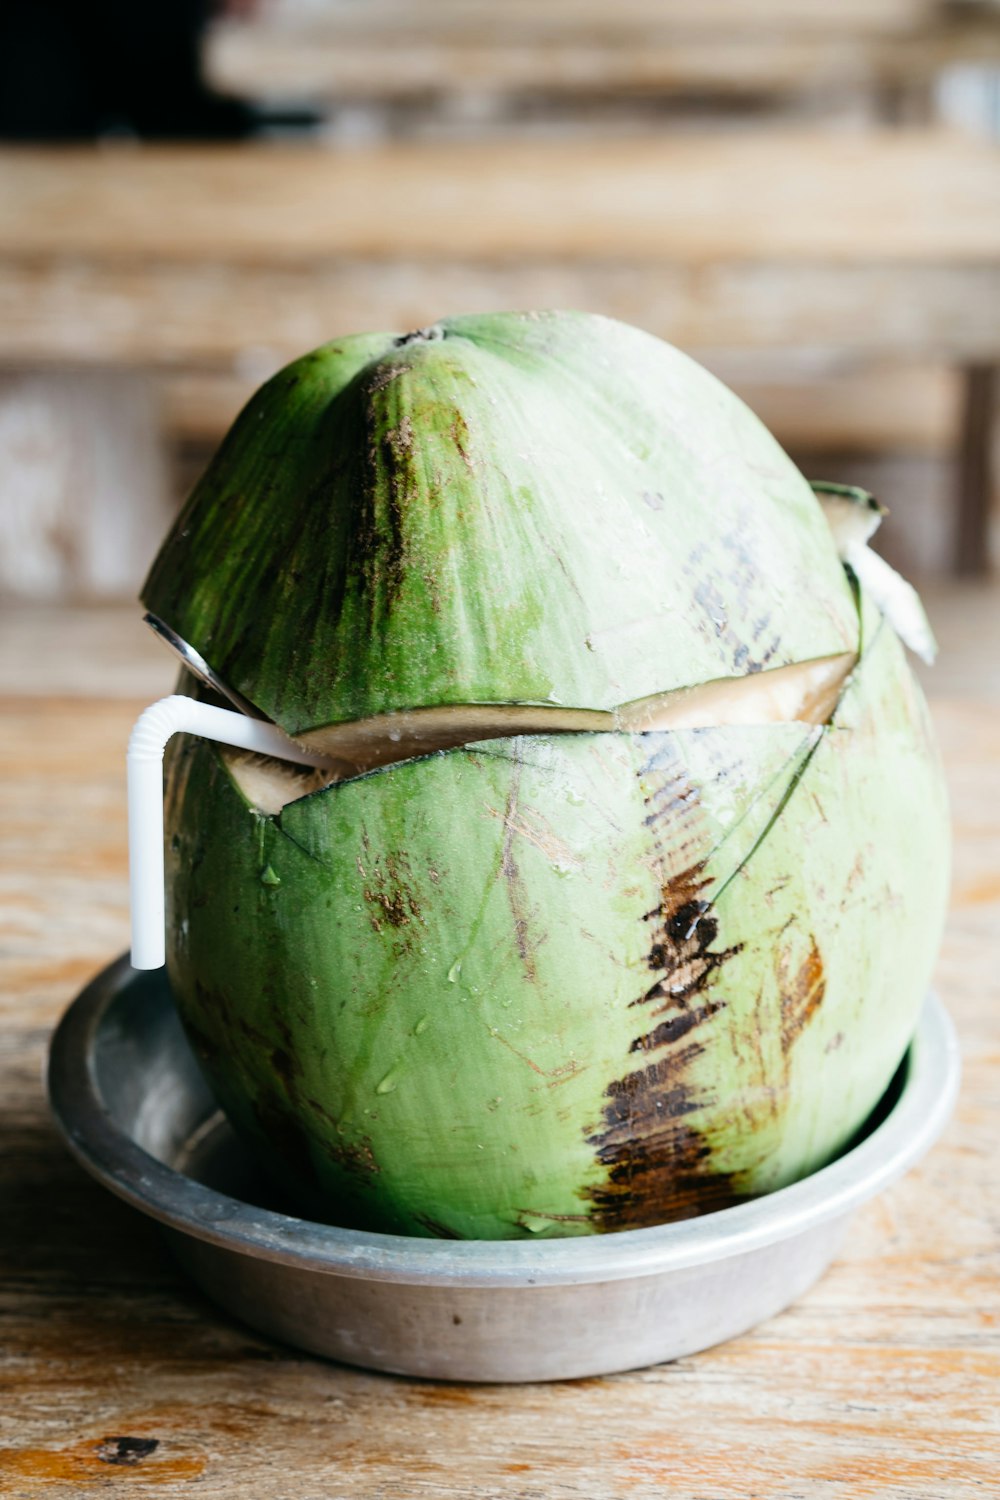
<point x="390" y="893"/>
<point x="511" y="873"/>
<point x="801" y="995"/>
<point x="387" y="484"/>
<point x="357" y="1158"/>
<point x="658" y="1166"/>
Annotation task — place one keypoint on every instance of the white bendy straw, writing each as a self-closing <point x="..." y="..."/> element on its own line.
<point x="146" y="745"/>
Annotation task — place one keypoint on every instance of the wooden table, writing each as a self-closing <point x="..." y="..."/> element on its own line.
<point x="882" y="1381"/>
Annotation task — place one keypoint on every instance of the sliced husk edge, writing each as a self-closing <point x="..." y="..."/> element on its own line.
<point x="803" y="692"/>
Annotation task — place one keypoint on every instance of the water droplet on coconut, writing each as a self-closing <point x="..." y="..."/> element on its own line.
<point x="389" y="1082"/>
<point x="454" y="971"/>
<point x="421" y="1026"/>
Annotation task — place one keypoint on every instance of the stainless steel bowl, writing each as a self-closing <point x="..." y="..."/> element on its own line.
<point x="129" y="1098"/>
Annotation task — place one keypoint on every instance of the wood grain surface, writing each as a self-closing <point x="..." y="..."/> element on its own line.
<point x="89" y="312"/>
<point x="116" y="1376"/>
<point x="885" y="244"/>
<point x="913" y="197"/>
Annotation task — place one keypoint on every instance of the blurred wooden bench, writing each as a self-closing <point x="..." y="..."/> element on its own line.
<point x="880" y="246"/>
<point x="881" y="243"/>
<point x="393" y="51"/>
<point x="869" y="409"/>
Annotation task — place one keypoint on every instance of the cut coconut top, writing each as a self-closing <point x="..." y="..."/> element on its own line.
<point x="542" y="508"/>
<point x="799" y="692"/>
<point x="805" y="692"/>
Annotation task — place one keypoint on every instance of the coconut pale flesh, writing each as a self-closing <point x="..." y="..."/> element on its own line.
<point x="805" y="692"/>
<point x="619" y="897"/>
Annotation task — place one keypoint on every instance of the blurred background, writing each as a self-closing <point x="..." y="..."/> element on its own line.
<point x="803" y="195"/>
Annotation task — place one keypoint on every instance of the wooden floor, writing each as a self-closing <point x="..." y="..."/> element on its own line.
<point x="881" y="1382"/>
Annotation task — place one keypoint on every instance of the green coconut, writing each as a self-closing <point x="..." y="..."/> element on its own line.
<point x="620" y="895"/>
<point x="549" y="509"/>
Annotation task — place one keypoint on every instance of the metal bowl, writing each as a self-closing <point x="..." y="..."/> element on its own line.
<point x="129" y="1098"/>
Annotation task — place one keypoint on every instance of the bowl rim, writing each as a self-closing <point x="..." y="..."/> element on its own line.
<point x="109" y="1154"/>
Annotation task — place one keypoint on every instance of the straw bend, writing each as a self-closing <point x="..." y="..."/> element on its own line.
<point x="146" y="745"/>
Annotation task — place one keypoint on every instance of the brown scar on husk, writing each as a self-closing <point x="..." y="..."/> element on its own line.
<point x="801" y="994"/>
<point x="511" y="873"/>
<point x="857" y="874"/>
<point x="658" y="1166"/>
<point x="356" y="1158"/>
<point x="383" y="376"/>
<point x="540" y="834"/>
<point x="552" y="1076"/>
<point x="380" y="533"/>
<point x="294" y="1143"/>
<point x="460" y="437"/>
<point x="389" y="893"/>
